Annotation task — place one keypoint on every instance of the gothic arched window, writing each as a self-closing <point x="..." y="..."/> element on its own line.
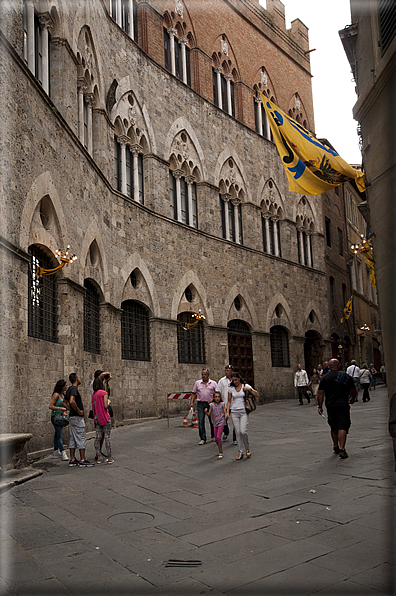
<point x="280" y="354"/>
<point x="42" y="303"/>
<point x="190" y="343"/>
<point x="135" y="331"/>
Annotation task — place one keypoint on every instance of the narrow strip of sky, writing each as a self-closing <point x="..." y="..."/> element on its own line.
<point x="333" y="89"/>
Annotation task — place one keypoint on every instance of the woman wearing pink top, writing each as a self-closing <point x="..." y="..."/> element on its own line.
<point x="100" y="404"/>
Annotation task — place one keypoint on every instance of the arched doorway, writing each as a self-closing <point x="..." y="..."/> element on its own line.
<point x="240" y="350"/>
<point x="313" y="352"/>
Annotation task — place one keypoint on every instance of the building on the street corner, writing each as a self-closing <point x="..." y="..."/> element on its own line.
<point x="132" y="132"/>
<point x="369" y="43"/>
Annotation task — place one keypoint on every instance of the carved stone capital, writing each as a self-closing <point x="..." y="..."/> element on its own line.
<point x="218" y="69"/>
<point x="89" y="99"/>
<point x="172" y="32"/>
<point x="236" y="202"/>
<point x="226" y="197"/>
<point x="190" y="180"/>
<point x="81" y="85"/>
<point x="183" y="41"/>
<point x="228" y="76"/>
<point x="136" y="149"/>
<point x="275" y="218"/>
<point x="45" y="21"/>
<point x="123" y="140"/>
<point x="257" y="99"/>
<point x="178" y="174"/>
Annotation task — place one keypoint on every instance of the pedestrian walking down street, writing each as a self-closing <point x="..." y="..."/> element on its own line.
<point x="314" y="384"/>
<point x="100" y="410"/>
<point x="383" y="373"/>
<point x="57" y="404"/>
<point x="106" y="377"/>
<point x="365" y="380"/>
<point x="203" y="390"/>
<point x="301" y="382"/>
<point x="236" y="404"/>
<point x="373" y="381"/>
<point x="339" y="390"/>
<point x="78" y="437"/>
<point x="223" y="386"/>
<point x="353" y="371"/>
<point x="218" y="416"/>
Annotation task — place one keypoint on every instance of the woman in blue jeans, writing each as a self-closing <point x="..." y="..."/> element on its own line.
<point x="56" y="404"/>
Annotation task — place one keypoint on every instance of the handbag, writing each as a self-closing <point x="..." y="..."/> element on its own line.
<point x="90" y="415"/>
<point x="60" y="419"/>
<point x="110" y="411"/>
<point x="250" y="401"/>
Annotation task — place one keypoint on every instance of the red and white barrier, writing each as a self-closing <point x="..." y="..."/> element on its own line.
<point x="178" y="395"/>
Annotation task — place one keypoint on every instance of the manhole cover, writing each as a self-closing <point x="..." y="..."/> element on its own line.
<point x="130" y="520"/>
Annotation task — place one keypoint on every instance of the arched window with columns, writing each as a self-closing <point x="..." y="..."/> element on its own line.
<point x="36" y="43"/>
<point x="123" y="12"/>
<point x="128" y="168"/>
<point x="270" y="226"/>
<point x="177" y="54"/>
<point x="231" y="218"/>
<point x="304" y="246"/>
<point x="223" y="90"/>
<point x="183" y="194"/>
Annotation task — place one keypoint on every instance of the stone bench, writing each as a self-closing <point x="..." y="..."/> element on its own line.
<point x="13" y="450"/>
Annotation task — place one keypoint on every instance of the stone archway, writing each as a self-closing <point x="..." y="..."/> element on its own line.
<point x="313" y="352"/>
<point x="240" y="350"/>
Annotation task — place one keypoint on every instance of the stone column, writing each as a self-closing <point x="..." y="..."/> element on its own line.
<point x="302" y="251"/>
<point x="81" y="90"/>
<point x="30" y="35"/>
<point x="218" y="71"/>
<point x="190" y="181"/>
<point x="123" y="141"/>
<point x="235" y="203"/>
<point x="276" y="239"/>
<point x="89" y="100"/>
<point x="135" y="150"/>
<point x="267" y="234"/>
<point x="131" y="19"/>
<point x="228" y="78"/>
<point x="45" y="24"/>
<point x="226" y="198"/>
<point x="172" y="34"/>
<point x="267" y="127"/>
<point x="260" y="115"/>
<point x="309" y="255"/>
<point x="183" y="41"/>
<point x="119" y="13"/>
<point x="178" y="174"/>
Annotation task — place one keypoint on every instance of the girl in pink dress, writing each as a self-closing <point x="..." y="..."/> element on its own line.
<point x="218" y="417"/>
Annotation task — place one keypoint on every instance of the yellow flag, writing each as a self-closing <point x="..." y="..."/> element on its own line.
<point x="370" y="262"/>
<point x="311" y="167"/>
<point x="347" y="310"/>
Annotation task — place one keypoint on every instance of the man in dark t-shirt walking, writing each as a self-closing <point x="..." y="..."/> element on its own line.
<point x="78" y="437"/>
<point x="339" y="389"/>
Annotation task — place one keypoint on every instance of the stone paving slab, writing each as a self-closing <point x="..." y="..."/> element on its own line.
<point x="168" y="498"/>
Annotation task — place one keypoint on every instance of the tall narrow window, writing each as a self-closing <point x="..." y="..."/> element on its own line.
<point x="85" y="123"/>
<point x="91" y="319"/>
<point x="223" y="206"/>
<point x="172" y="192"/>
<point x="190" y="343"/>
<point x="183" y="195"/>
<point x="135" y="331"/>
<point x="328" y="231"/>
<point x="280" y="354"/>
<point x="42" y="300"/>
<point x="332" y="290"/>
<point x="184" y="200"/>
<point x="140" y="180"/>
<point x="117" y="164"/>
<point x="194" y="205"/>
<point x="167" y="51"/>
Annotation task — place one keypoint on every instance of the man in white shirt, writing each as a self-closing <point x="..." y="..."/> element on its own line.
<point x="223" y="387"/>
<point x="353" y="371"/>
<point x="300" y="382"/>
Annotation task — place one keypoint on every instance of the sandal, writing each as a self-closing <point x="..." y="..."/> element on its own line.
<point x="239" y="457"/>
<point x="248" y="453"/>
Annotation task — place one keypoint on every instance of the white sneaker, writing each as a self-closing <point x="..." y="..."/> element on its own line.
<point x="202" y="442"/>
<point x="56" y="454"/>
<point x="65" y="456"/>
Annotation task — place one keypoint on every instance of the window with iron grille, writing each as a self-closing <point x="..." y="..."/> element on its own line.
<point x="280" y="355"/>
<point x="42" y="305"/>
<point x="135" y="331"/>
<point x="91" y="319"/>
<point x="190" y="343"/>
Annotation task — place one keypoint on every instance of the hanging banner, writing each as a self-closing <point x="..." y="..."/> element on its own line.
<point x="311" y="167"/>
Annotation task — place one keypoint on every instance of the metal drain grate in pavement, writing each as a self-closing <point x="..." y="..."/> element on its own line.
<point x="181" y="563"/>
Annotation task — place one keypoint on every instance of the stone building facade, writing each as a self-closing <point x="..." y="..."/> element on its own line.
<point x="131" y="132"/>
